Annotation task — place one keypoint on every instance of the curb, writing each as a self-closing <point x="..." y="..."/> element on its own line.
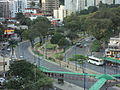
<point x="86" y="69"/>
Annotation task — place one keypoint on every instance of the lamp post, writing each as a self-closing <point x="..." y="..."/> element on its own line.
<point x="3" y="64"/>
<point x="105" y="68"/>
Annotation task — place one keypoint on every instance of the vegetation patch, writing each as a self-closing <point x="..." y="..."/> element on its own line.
<point x="50" y="46"/>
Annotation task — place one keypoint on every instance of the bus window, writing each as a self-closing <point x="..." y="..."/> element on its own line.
<point x="95" y="60"/>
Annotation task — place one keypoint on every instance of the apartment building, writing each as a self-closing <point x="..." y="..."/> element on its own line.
<point x="50" y="5"/>
<point x="77" y="5"/>
<point x="17" y="6"/>
<point x="113" y="49"/>
<point x="60" y="13"/>
<point x="4" y="8"/>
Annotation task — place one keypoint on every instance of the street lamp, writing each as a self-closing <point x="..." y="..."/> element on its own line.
<point x="84" y="81"/>
<point x="104" y="66"/>
<point x="3" y="65"/>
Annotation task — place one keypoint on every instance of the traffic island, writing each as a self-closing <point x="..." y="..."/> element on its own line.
<point x="51" y="54"/>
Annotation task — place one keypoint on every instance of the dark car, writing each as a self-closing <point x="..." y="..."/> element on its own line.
<point x="79" y="45"/>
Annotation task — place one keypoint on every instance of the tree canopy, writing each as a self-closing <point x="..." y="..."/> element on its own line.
<point x="100" y="24"/>
<point x="26" y="76"/>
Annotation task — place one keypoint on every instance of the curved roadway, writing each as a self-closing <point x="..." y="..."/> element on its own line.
<point x="22" y="49"/>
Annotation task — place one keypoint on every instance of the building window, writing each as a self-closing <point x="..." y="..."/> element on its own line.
<point x="85" y="2"/>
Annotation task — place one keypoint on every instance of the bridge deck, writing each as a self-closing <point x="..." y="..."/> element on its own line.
<point x="98" y="84"/>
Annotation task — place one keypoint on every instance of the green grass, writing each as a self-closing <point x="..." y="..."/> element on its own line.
<point x="50" y="46"/>
<point x="118" y="85"/>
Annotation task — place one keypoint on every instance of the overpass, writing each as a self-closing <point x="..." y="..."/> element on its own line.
<point x="103" y="80"/>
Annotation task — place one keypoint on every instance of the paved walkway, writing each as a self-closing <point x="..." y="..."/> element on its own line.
<point x="68" y="65"/>
<point x="67" y="86"/>
<point x="71" y="67"/>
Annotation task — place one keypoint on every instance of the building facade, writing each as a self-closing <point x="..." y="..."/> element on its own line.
<point x="50" y="5"/>
<point x="32" y="3"/>
<point x="78" y="5"/>
<point x="4" y="8"/>
<point x="60" y="13"/>
<point x="16" y="6"/>
<point x="9" y="8"/>
<point x="113" y="49"/>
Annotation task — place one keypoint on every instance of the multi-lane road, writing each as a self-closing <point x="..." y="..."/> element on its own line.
<point x="85" y="51"/>
<point x="22" y="49"/>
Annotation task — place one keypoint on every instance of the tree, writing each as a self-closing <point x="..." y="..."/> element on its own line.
<point x="12" y="44"/>
<point x="19" y="16"/>
<point x="61" y="2"/>
<point x="79" y="59"/>
<point x="99" y="28"/>
<point x="63" y="43"/>
<point x="92" y="9"/>
<point x="40" y="27"/>
<point x="72" y="23"/>
<point x="84" y="12"/>
<point x="26" y="76"/>
<point x="23" y="20"/>
<point x="72" y="36"/>
<point x="96" y="45"/>
<point x="32" y="4"/>
<point x="56" y="38"/>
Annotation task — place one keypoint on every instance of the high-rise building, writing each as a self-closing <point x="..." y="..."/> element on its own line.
<point x="49" y="5"/>
<point x="60" y="13"/>
<point x="16" y="6"/>
<point x="77" y="5"/>
<point x="4" y="8"/>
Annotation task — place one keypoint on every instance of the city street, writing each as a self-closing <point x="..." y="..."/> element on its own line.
<point x="22" y="49"/>
<point x="31" y="58"/>
<point x="86" y="51"/>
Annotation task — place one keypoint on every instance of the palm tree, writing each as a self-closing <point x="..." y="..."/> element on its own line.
<point x="12" y="44"/>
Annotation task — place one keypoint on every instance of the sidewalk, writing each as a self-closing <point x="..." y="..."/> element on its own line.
<point x="67" y="65"/>
<point x="66" y="86"/>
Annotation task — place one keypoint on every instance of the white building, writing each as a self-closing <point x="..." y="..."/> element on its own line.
<point x="60" y="13"/>
<point x="113" y="49"/>
<point x="20" y="5"/>
<point x="77" y="5"/>
<point x="16" y="6"/>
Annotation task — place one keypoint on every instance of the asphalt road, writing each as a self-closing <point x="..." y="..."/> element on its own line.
<point x="22" y="49"/>
<point x="85" y="51"/>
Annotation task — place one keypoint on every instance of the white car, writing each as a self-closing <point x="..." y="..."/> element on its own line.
<point x="8" y="49"/>
<point x="21" y="57"/>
